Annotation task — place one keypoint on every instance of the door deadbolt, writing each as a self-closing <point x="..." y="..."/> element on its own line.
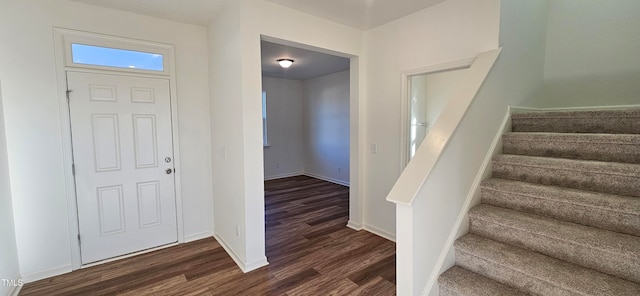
<point x="167" y="159"/>
<point x="169" y="171"/>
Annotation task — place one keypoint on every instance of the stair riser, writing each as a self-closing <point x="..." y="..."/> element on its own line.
<point x="621" y="125"/>
<point x="461" y="282"/>
<point x="610" y="262"/>
<point x="573" y="150"/>
<point x="510" y="277"/>
<point x="446" y="292"/>
<point x="534" y="273"/>
<point x="592" y="216"/>
<point x="584" y="180"/>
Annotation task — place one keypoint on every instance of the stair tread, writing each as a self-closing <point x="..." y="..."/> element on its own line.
<point x="610" y="252"/>
<point x="588" y="114"/>
<point x="611" y="202"/>
<point x="460" y="281"/>
<point x="600" y="176"/>
<point x="602" y="167"/>
<point x="623" y="148"/>
<point x="627" y="139"/>
<point x="585" y="236"/>
<point x="607" y="211"/>
<point x="625" y="121"/>
<point x="544" y="274"/>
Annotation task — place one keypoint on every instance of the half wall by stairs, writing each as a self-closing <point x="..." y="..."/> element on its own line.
<point x="561" y="213"/>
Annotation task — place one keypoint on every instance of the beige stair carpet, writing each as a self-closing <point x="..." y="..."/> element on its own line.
<point x="561" y="213"/>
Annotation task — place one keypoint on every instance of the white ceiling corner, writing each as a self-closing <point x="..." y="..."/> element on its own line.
<point x="359" y="14"/>
<point x="196" y="12"/>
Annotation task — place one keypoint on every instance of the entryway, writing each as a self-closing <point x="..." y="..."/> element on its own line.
<point x="123" y="163"/>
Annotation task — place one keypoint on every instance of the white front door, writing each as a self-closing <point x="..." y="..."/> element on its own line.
<point x="123" y="158"/>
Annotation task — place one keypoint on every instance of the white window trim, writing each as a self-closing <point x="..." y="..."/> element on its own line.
<point x="62" y="45"/>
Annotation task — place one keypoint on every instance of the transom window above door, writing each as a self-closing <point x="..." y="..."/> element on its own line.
<point x="103" y="52"/>
<point x="118" y="58"/>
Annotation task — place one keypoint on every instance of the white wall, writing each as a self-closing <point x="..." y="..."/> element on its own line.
<point x="9" y="268"/>
<point x="236" y="87"/>
<point x="227" y="132"/>
<point x="33" y="124"/>
<point x="592" y="53"/>
<point x="449" y="31"/>
<point x="326" y="127"/>
<point x="284" y="156"/>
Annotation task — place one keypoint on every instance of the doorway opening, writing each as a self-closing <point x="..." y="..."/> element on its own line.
<point x="307" y="155"/>
<point x="427" y="95"/>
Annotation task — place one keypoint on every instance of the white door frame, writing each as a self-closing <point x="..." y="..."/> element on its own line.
<point x="405" y="103"/>
<point x="62" y="41"/>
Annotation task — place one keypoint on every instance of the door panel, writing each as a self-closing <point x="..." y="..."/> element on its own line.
<point x="146" y="143"/>
<point x="106" y="142"/>
<point x="121" y="131"/>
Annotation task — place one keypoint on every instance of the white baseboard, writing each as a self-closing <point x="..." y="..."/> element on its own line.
<point x="354" y="225"/>
<point x="379" y="232"/>
<point x="47" y="273"/>
<point x="256" y="264"/>
<point x="245" y="267"/>
<point x="229" y="251"/>
<point x="15" y="291"/>
<point x="312" y="175"/>
<point x="328" y="179"/>
<point x="375" y="230"/>
<point x="280" y="176"/>
<point x="198" y="236"/>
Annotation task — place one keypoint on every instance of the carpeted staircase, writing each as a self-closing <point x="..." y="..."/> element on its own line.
<point x="561" y="214"/>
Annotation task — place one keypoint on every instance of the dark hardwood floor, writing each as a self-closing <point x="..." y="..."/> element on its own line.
<point x="309" y="248"/>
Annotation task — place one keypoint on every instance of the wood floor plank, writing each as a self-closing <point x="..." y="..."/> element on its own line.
<point x="378" y="269"/>
<point x="324" y="286"/>
<point x="377" y="287"/>
<point x="309" y="248"/>
<point x="157" y="288"/>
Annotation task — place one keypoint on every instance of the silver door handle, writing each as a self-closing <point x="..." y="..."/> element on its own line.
<point x="169" y="171"/>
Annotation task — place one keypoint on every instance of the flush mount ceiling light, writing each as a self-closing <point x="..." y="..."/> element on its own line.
<point x="285" y="63"/>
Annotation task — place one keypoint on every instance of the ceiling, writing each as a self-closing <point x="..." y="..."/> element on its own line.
<point x="307" y="64"/>
<point x="359" y="14"/>
<point x="197" y="12"/>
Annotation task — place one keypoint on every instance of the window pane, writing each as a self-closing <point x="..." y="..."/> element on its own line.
<point x="265" y="139"/>
<point x="120" y="58"/>
<point x="264" y="104"/>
